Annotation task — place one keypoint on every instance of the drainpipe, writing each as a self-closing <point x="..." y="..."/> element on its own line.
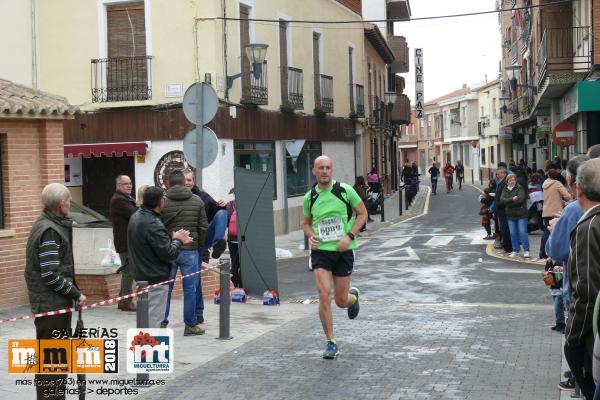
<point x="34" y="71"/>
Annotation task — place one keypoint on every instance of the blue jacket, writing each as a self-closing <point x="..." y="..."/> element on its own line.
<point x="557" y="246"/>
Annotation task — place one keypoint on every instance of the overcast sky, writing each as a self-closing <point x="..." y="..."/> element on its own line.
<point x="455" y="50"/>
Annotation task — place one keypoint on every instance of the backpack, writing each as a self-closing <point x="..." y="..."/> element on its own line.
<point x="232" y="226"/>
<point x="337" y="191"/>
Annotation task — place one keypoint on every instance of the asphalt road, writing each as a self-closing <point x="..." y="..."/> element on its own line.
<point x="439" y="320"/>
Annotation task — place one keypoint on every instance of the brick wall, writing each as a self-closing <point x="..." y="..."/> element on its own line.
<point x="354" y="5"/>
<point x="32" y="156"/>
<point x="102" y="287"/>
<point x="596" y="30"/>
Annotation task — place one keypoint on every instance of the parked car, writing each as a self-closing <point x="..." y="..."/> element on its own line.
<point x="85" y="217"/>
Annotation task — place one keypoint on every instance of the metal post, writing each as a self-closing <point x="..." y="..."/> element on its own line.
<point x="224" y="279"/>
<point x="142" y="321"/>
<point x="306" y="242"/>
<point x="199" y="134"/>
<point x="400" y="200"/>
<point x="472" y="181"/>
<point x="406" y="197"/>
<point x="382" y="206"/>
<point x="480" y="177"/>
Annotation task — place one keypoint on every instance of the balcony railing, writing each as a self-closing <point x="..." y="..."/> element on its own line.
<point x="360" y="101"/>
<point x="324" y="97"/>
<point x="514" y="109"/>
<point x="292" y="82"/>
<point x="121" y="79"/>
<point x="564" y="50"/>
<point x="377" y="112"/>
<point x="255" y="91"/>
<point x="514" y="48"/>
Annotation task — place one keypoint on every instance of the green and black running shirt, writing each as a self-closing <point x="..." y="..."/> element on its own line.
<point x="329" y="215"/>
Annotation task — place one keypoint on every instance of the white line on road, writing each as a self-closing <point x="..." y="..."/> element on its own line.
<point x="439" y="241"/>
<point x="392" y="255"/>
<point x="398" y="242"/>
<point x="514" y="270"/>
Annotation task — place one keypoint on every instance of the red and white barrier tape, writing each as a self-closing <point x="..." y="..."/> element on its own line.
<point x="108" y="301"/>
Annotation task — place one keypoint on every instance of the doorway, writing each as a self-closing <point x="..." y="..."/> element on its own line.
<point x="99" y="175"/>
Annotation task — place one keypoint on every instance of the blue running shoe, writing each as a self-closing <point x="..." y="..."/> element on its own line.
<point x="355" y="307"/>
<point x="332" y="351"/>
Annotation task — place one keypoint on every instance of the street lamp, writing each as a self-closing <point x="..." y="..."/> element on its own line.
<point x="514" y="73"/>
<point x="256" y="53"/>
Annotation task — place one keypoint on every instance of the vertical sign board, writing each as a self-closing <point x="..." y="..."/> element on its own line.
<point x="256" y="238"/>
<point x="419" y="96"/>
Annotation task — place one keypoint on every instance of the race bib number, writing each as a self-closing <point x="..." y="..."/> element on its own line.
<point x="331" y="229"/>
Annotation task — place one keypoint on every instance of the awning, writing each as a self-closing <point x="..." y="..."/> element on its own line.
<point x="407" y="146"/>
<point x="105" y="149"/>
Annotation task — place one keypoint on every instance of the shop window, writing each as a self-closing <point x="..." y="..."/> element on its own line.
<point x="256" y="156"/>
<point x="299" y="172"/>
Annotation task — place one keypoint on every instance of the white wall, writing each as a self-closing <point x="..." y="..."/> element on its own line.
<point x="16" y="47"/>
<point x="342" y="154"/>
<point x="217" y="178"/>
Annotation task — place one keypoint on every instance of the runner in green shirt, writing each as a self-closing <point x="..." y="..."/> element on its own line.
<point x="331" y="229"/>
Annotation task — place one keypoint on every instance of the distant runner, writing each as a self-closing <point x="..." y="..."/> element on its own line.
<point x="460" y="173"/>
<point x="328" y="222"/>
<point x="448" y="174"/>
<point x="434" y="171"/>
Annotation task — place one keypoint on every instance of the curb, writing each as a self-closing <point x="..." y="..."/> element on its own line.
<point x="490" y="252"/>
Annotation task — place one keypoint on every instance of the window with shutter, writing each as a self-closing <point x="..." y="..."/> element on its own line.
<point x="127" y="65"/>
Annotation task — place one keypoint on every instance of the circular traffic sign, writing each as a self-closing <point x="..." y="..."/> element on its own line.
<point x="564" y="134"/>
<point x="200" y="103"/>
<point x="209" y="146"/>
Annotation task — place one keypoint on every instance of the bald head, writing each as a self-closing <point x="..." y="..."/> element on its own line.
<point x="323" y="171"/>
<point x="323" y="159"/>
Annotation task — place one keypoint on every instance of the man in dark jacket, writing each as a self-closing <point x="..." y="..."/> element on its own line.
<point x="122" y="207"/>
<point x="183" y="210"/>
<point x="50" y="274"/>
<point x="152" y="250"/>
<point x="584" y="277"/>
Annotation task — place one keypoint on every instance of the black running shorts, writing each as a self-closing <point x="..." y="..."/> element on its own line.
<point x="339" y="263"/>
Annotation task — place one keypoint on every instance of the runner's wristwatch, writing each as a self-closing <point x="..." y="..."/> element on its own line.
<point x="351" y="235"/>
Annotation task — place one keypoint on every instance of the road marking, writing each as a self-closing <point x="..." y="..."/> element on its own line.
<point x="398" y="242"/>
<point x="439" y="241"/>
<point x="391" y="255"/>
<point x="514" y="270"/>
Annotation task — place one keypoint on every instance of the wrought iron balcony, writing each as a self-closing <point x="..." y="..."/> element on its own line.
<point x="564" y="50"/>
<point x="255" y="91"/>
<point x="323" y="94"/>
<point x="292" y="97"/>
<point x="121" y="79"/>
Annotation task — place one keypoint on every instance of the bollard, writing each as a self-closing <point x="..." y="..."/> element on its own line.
<point x="306" y="242"/>
<point x="480" y="177"/>
<point x="142" y="321"/>
<point x="224" y="279"/>
<point x="382" y="207"/>
<point x="400" y="200"/>
<point x="406" y="197"/>
<point x="472" y="181"/>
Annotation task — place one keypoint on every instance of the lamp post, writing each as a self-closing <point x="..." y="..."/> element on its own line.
<point x="390" y="101"/>
<point x="514" y="73"/>
<point x="256" y="53"/>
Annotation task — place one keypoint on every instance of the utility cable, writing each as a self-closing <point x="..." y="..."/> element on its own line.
<point x="394" y="20"/>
